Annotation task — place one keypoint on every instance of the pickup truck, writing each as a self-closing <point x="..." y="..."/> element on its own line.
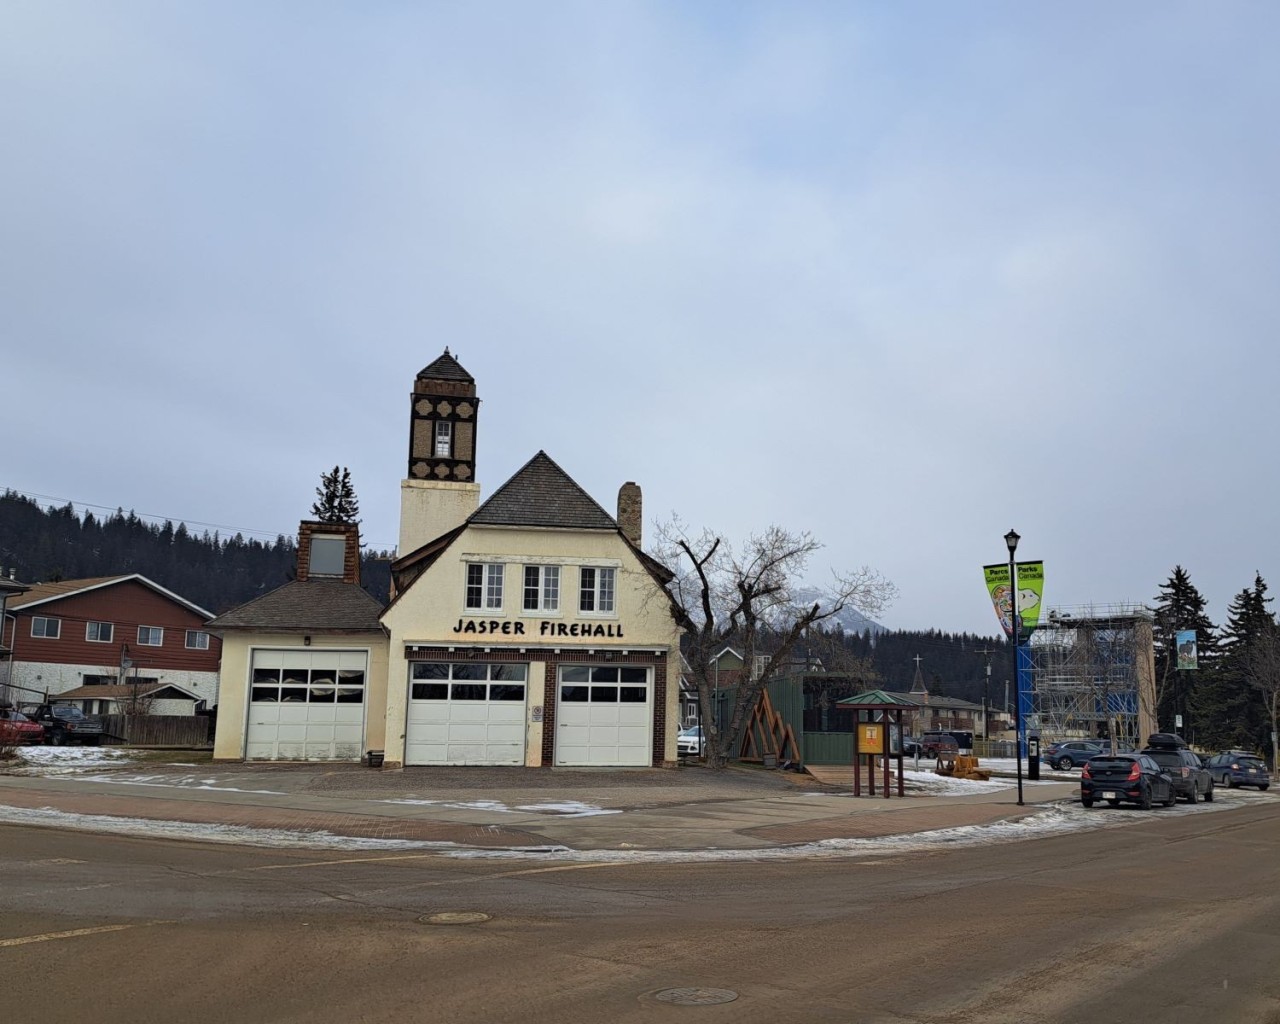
<point x="65" y="723"/>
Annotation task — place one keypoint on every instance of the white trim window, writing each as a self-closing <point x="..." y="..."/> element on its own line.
<point x="484" y="586"/>
<point x="444" y="439"/>
<point x="99" y="632"/>
<point x="150" y="636"/>
<point x="596" y="588"/>
<point x="197" y="640"/>
<point x="542" y="588"/>
<point x="49" y="629"/>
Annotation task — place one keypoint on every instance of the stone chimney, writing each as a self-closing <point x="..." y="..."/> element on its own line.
<point x="630" y="512"/>
<point x="328" y="551"/>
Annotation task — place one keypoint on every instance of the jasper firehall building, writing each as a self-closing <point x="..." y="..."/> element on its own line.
<point x="529" y="629"/>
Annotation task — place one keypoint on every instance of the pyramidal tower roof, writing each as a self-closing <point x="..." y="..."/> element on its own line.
<point x="542" y="494"/>
<point x="446" y="367"/>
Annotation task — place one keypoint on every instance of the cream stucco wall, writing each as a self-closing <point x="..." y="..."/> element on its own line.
<point x="237" y="654"/>
<point x="431" y="508"/>
<point x="431" y="610"/>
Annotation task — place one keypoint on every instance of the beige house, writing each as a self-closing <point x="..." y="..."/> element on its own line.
<point x="304" y="667"/>
<point x="529" y="630"/>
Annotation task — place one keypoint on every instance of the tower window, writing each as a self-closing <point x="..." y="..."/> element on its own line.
<point x="328" y="556"/>
<point x="444" y="439"/>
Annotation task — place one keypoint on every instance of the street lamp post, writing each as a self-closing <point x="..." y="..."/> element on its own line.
<point x="1011" y="540"/>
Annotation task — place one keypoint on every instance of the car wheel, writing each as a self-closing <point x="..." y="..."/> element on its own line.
<point x="1263" y="789"/>
<point x="1230" y="782"/>
<point x="57" y="738"/>
<point x="1171" y="799"/>
<point x="1194" y="796"/>
<point x="1065" y="763"/>
<point x="1086" y="802"/>
<point x="1208" y="793"/>
<point x="1144" y="801"/>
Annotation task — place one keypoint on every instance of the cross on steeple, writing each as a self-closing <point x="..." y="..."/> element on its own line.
<point x="917" y="659"/>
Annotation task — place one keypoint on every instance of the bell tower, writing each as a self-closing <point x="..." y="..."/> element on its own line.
<point x="439" y="492"/>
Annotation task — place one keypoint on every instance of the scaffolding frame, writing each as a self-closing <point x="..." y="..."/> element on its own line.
<point x="1093" y="674"/>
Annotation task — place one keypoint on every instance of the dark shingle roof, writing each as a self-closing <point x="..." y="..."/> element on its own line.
<point x="543" y="494"/>
<point x="447" y="368"/>
<point x="306" y="606"/>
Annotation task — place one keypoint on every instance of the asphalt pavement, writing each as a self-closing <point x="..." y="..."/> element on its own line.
<point x="687" y="808"/>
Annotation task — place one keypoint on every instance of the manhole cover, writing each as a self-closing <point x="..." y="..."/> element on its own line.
<point x="455" y="917"/>
<point x="696" y="996"/>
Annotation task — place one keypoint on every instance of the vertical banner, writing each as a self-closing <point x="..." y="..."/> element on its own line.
<point x="1030" y="593"/>
<point x="1187" y="655"/>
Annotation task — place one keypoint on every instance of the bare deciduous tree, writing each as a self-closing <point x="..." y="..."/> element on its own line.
<point x="1262" y="662"/>
<point x="746" y="597"/>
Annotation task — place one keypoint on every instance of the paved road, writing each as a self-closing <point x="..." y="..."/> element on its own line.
<point x="1172" y="919"/>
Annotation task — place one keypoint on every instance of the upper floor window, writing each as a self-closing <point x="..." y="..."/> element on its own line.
<point x="99" y="632"/>
<point x="484" y="585"/>
<point x="197" y="640"/>
<point x="596" y="589"/>
<point x="444" y="439"/>
<point x="50" y="629"/>
<point x="328" y="555"/>
<point x="541" y="588"/>
<point x="150" y="636"/>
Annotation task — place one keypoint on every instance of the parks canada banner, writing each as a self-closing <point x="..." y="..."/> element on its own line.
<point x="1187" y="654"/>
<point x="1030" y="593"/>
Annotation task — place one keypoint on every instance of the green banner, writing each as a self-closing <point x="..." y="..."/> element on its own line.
<point x="1030" y="593"/>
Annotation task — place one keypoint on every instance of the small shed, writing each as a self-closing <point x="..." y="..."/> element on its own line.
<point x="877" y="722"/>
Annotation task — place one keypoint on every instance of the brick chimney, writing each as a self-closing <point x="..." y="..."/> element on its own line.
<point x="630" y="513"/>
<point x="328" y="551"/>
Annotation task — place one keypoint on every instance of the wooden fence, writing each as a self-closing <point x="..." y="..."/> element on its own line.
<point x="157" y="730"/>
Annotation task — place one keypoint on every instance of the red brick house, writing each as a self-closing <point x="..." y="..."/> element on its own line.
<point x="92" y="632"/>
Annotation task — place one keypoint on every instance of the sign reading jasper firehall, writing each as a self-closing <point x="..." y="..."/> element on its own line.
<point x="545" y="628"/>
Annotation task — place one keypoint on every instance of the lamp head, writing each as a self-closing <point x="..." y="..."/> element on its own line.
<point x="1011" y="539"/>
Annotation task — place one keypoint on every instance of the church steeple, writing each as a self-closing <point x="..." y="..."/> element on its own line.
<point x="439" y="491"/>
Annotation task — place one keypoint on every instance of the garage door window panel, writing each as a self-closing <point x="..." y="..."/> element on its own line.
<point x="575" y="694"/>
<point x="506" y="691"/>
<point x="468" y="691"/>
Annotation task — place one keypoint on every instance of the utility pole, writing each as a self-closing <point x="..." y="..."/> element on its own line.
<point x="986" y="652"/>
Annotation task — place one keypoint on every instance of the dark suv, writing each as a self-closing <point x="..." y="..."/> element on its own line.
<point x="1234" y="768"/>
<point x="1191" y="780"/>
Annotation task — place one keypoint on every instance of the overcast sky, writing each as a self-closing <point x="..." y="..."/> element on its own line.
<point x="901" y="274"/>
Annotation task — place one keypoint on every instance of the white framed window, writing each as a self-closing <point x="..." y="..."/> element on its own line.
<point x="150" y="636"/>
<point x="484" y="586"/>
<point x="197" y="640"/>
<point x="541" y="588"/>
<point x="99" y="632"/>
<point x="444" y="439"/>
<point x="596" y="589"/>
<point x="50" y="629"/>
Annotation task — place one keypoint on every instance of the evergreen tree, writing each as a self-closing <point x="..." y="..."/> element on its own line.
<point x="1227" y="707"/>
<point x="337" y="498"/>
<point x="1180" y="606"/>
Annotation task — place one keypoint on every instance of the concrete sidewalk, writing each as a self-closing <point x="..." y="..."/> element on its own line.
<point x="681" y="809"/>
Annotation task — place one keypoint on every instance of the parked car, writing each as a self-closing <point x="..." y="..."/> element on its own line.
<point x="1191" y="779"/>
<point x="1072" y="753"/>
<point x="17" y="729"/>
<point x="935" y="744"/>
<point x="689" y="741"/>
<point x="912" y="747"/>
<point x="66" y="723"/>
<point x="1126" y="778"/>
<point x="1234" y="768"/>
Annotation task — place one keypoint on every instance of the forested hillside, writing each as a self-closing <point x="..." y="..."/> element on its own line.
<point x="215" y="572"/>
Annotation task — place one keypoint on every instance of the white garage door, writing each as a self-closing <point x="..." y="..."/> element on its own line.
<point x="466" y="713"/>
<point x="306" y="706"/>
<point x="604" y="716"/>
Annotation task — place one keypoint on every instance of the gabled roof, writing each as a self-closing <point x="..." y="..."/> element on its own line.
<point x="125" y="691"/>
<point x="542" y="494"/>
<point x="447" y="368"/>
<point x="310" y="606"/>
<point x="876" y="698"/>
<point x="43" y="593"/>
